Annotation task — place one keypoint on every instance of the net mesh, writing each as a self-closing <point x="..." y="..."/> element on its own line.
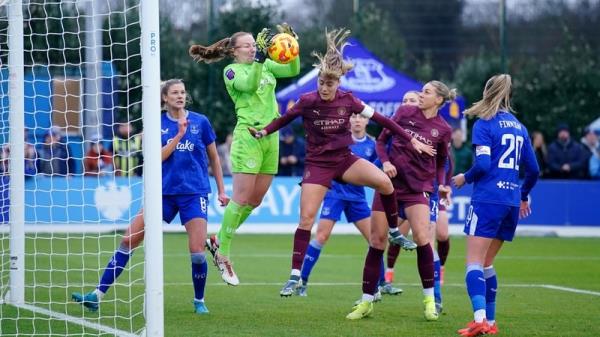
<point x="82" y="165"/>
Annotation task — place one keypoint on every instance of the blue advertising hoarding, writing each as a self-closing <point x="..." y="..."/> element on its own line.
<point x="106" y="201"/>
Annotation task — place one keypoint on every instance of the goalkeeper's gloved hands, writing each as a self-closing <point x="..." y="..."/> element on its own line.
<point x="287" y="29"/>
<point x="263" y="43"/>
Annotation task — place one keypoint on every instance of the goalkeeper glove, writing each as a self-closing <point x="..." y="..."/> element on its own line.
<point x="287" y="29"/>
<point x="263" y="43"/>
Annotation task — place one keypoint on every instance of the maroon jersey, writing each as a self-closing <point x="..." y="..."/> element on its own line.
<point x="416" y="171"/>
<point x="326" y="123"/>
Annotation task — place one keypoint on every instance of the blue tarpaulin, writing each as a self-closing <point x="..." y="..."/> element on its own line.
<point x="371" y="80"/>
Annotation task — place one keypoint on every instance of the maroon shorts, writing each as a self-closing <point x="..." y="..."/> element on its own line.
<point x="334" y="170"/>
<point x="404" y="200"/>
<point x="441" y="207"/>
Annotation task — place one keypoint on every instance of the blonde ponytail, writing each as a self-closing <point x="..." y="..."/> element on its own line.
<point x="496" y="96"/>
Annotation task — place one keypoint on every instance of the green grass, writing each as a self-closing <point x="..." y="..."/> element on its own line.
<point x="525" y="307"/>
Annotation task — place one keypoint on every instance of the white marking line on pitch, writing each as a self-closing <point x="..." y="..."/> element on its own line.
<point x="75" y="320"/>
<point x="333" y="284"/>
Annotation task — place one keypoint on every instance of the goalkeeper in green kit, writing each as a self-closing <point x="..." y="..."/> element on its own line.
<point x="250" y="81"/>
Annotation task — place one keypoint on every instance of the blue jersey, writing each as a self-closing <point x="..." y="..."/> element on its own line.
<point x="507" y="143"/>
<point x="185" y="171"/>
<point x="364" y="148"/>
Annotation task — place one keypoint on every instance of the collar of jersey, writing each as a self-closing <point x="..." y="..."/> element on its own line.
<point x="187" y="113"/>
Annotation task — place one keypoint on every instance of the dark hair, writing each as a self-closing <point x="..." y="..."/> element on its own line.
<point x="216" y="51"/>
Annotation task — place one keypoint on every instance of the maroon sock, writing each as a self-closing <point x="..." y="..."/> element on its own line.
<point x="301" y="240"/>
<point x="390" y="206"/>
<point x="425" y="264"/>
<point x="443" y="247"/>
<point x="392" y="255"/>
<point x="372" y="270"/>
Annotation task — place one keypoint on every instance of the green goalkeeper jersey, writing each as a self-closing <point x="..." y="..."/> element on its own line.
<point x="252" y="89"/>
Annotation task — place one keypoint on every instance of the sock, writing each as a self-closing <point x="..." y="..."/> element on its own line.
<point x="114" y="268"/>
<point x="382" y="272"/>
<point x="392" y="255"/>
<point x="301" y="239"/>
<point x="390" y="205"/>
<point x="443" y="247"/>
<point x="491" y="286"/>
<point x="371" y="270"/>
<point x="437" y="287"/>
<point x="310" y="259"/>
<point x="476" y="290"/>
<point x="425" y="265"/>
<point x="230" y="222"/>
<point x="199" y="272"/>
<point x="245" y="212"/>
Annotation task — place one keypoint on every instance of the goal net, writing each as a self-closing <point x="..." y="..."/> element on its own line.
<point x="73" y="165"/>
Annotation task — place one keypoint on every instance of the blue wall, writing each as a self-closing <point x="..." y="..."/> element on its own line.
<point x="115" y="200"/>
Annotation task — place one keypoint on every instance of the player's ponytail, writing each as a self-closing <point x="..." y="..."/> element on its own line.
<point x="332" y="65"/>
<point x="443" y="91"/>
<point x="216" y="51"/>
<point x="496" y="96"/>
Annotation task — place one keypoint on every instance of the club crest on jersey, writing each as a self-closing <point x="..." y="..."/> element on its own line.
<point x="194" y="129"/>
<point x="230" y="74"/>
<point x="341" y="111"/>
<point x="435" y="133"/>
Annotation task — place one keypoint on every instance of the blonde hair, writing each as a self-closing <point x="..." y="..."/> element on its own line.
<point x="496" y="96"/>
<point x="443" y="91"/>
<point x="216" y="51"/>
<point x="332" y="65"/>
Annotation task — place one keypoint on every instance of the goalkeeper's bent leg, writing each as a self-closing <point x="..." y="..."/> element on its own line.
<point x="231" y="219"/>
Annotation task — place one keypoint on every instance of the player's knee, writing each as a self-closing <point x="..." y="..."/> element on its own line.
<point x="322" y="238"/>
<point x="385" y="186"/>
<point x="378" y="240"/>
<point x="306" y="221"/>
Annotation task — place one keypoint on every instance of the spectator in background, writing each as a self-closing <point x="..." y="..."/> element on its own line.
<point x="461" y="152"/>
<point x="53" y="156"/>
<point x="291" y="153"/>
<point x="566" y="159"/>
<point x="541" y="152"/>
<point x="224" y="150"/>
<point x="30" y="159"/>
<point x="591" y="143"/>
<point x="127" y="150"/>
<point x="97" y="160"/>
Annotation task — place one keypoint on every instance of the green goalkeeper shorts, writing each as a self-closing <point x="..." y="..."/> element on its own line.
<point x="254" y="156"/>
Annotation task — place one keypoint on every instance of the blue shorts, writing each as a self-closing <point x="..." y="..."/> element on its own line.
<point x="492" y="221"/>
<point x="189" y="206"/>
<point x="354" y="210"/>
<point x="433" y="209"/>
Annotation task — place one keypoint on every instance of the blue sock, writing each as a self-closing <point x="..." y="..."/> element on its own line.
<point x="310" y="259"/>
<point x="382" y="273"/>
<point x="491" y="286"/>
<point x="199" y="271"/>
<point x="437" y="285"/>
<point x="476" y="286"/>
<point x="114" y="268"/>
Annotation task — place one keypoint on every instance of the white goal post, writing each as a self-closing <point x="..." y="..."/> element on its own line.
<point x="73" y="73"/>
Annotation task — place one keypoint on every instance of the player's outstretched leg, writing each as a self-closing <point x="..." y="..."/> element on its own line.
<point x="437" y="286"/>
<point x="113" y="269"/>
<point x="310" y="259"/>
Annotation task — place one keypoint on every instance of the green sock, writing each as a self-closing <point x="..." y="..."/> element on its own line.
<point x="231" y="218"/>
<point x="244" y="214"/>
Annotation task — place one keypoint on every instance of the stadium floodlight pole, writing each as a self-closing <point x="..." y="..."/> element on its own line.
<point x="153" y="250"/>
<point x="17" y="152"/>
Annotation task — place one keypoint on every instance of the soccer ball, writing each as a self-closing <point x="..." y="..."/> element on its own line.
<point x="284" y="48"/>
